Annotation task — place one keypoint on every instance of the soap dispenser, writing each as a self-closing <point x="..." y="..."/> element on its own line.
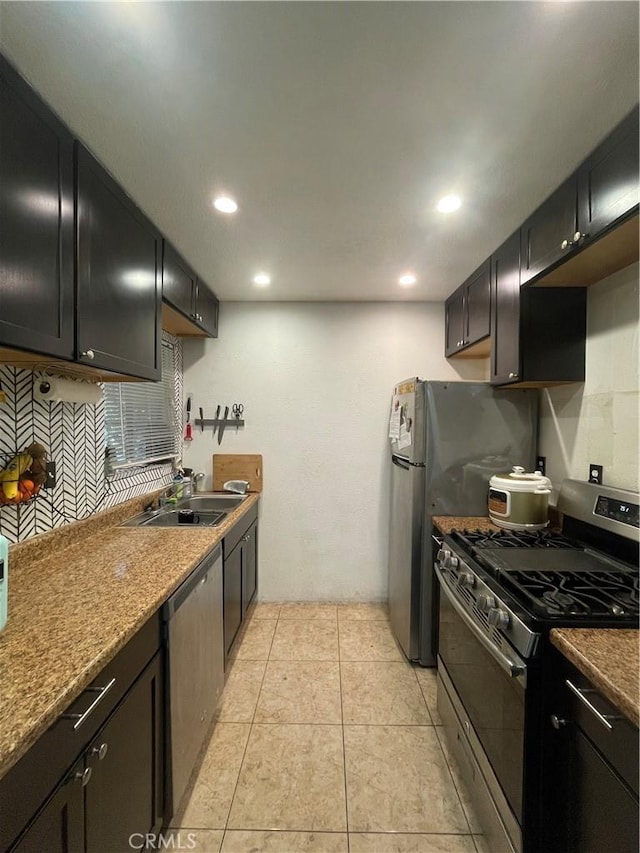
<point x="4" y="580"/>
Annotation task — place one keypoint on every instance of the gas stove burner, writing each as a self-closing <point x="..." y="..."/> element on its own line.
<point x="609" y="595"/>
<point x="479" y="539"/>
<point x="560" y="602"/>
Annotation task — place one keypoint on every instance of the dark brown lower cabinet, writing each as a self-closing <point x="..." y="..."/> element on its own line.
<point x="240" y="572"/>
<point x="123" y="797"/>
<point x="591" y="778"/>
<point x="249" y="567"/>
<point x="59" y="827"/>
<point x="232" y="585"/>
<point x="603" y="812"/>
<point x="114" y="791"/>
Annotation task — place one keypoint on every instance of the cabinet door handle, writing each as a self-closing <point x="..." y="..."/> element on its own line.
<point x="83" y="776"/>
<point x="88" y="354"/>
<point x="601" y="718"/>
<point x="80" y="718"/>
<point x="100" y="751"/>
<point x="513" y="376"/>
<point x="566" y="244"/>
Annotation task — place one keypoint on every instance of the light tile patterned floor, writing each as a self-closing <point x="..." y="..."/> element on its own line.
<point x="326" y="741"/>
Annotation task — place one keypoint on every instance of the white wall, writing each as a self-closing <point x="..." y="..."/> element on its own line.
<point x="597" y="423"/>
<point x="316" y="382"/>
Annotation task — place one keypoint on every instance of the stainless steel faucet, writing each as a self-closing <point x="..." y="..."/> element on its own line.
<point x="197" y="479"/>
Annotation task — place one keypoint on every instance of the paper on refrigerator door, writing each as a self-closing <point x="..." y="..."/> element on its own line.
<point x="404" y="437"/>
<point x="394" y="420"/>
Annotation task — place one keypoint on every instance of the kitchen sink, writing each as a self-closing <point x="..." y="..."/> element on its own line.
<point x="172" y="518"/>
<point x="208" y="510"/>
<point x="207" y="503"/>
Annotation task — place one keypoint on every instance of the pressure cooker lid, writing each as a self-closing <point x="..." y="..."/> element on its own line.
<point x="520" y="480"/>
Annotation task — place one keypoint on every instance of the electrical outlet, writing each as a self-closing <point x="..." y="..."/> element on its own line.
<point x="595" y="474"/>
<point x="108" y="462"/>
<point x="50" y="482"/>
<point x="541" y="464"/>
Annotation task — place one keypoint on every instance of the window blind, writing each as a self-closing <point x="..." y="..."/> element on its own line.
<point x="141" y="418"/>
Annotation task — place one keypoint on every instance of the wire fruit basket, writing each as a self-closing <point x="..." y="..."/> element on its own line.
<point x="23" y="474"/>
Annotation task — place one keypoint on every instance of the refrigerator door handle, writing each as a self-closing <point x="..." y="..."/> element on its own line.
<point x="401" y="461"/>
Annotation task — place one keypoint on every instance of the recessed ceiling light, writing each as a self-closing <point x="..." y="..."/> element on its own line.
<point x="262" y="279"/>
<point x="225" y="204"/>
<point x="449" y="203"/>
<point x="407" y="279"/>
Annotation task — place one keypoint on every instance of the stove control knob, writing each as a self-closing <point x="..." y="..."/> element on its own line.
<point x="466" y="579"/>
<point x="447" y="559"/>
<point x="498" y="617"/>
<point x="486" y="602"/>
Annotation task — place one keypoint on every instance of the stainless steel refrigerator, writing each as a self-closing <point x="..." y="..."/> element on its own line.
<point x="446" y="439"/>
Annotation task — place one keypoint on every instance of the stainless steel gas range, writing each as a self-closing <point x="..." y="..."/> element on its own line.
<point x="500" y="594"/>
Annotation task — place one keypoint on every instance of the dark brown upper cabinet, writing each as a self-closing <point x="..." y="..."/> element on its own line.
<point x="547" y="234"/>
<point x="80" y="265"/>
<point x="608" y="180"/>
<point x="539" y="334"/>
<point x="588" y="228"/>
<point x="178" y="282"/>
<point x="468" y="315"/>
<point x="118" y="290"/>
<point x="207" y="309"/>
<point x="454" y="322"/>
<point x="36" y="223"/>
<point x="505" y="309"/>
<point x="189" y="308"/>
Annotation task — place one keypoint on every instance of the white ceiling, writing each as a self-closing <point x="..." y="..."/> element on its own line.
<point x="337" y="126"/>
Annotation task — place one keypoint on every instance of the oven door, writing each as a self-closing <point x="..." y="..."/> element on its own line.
<point x="490" y="681"/>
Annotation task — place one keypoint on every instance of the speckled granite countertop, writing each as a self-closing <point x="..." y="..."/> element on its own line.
<point x="610" y="659"/>
<point x="76" y="597"/>
<point x="449" y="523"/>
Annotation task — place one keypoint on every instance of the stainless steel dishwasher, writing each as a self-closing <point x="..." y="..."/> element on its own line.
<point x="195" y="676"/>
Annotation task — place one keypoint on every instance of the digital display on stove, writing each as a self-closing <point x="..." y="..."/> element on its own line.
<point x="622" y="511"/>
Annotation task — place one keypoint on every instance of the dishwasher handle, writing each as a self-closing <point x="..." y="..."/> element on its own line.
<point x="198" y="575"/>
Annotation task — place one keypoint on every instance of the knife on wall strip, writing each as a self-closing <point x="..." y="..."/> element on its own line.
<point x="216" y="421"/>
<point x="223" y="424"/>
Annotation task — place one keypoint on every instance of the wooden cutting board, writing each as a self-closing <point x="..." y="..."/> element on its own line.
<point x="237" y="466"/>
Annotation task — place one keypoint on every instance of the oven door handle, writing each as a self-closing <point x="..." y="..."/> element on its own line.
<point x="510" y="666"/>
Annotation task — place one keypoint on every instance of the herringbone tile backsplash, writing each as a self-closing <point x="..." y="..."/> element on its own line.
<point x="74" y="437"/>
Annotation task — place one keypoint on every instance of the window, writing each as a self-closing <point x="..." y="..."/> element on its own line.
<point x="141" y="418"/>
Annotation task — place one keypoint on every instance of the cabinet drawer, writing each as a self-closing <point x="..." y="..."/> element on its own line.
<point x="31" y="780"/>
<point x="619" y="744"/>
<point x="239" y="530"/>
